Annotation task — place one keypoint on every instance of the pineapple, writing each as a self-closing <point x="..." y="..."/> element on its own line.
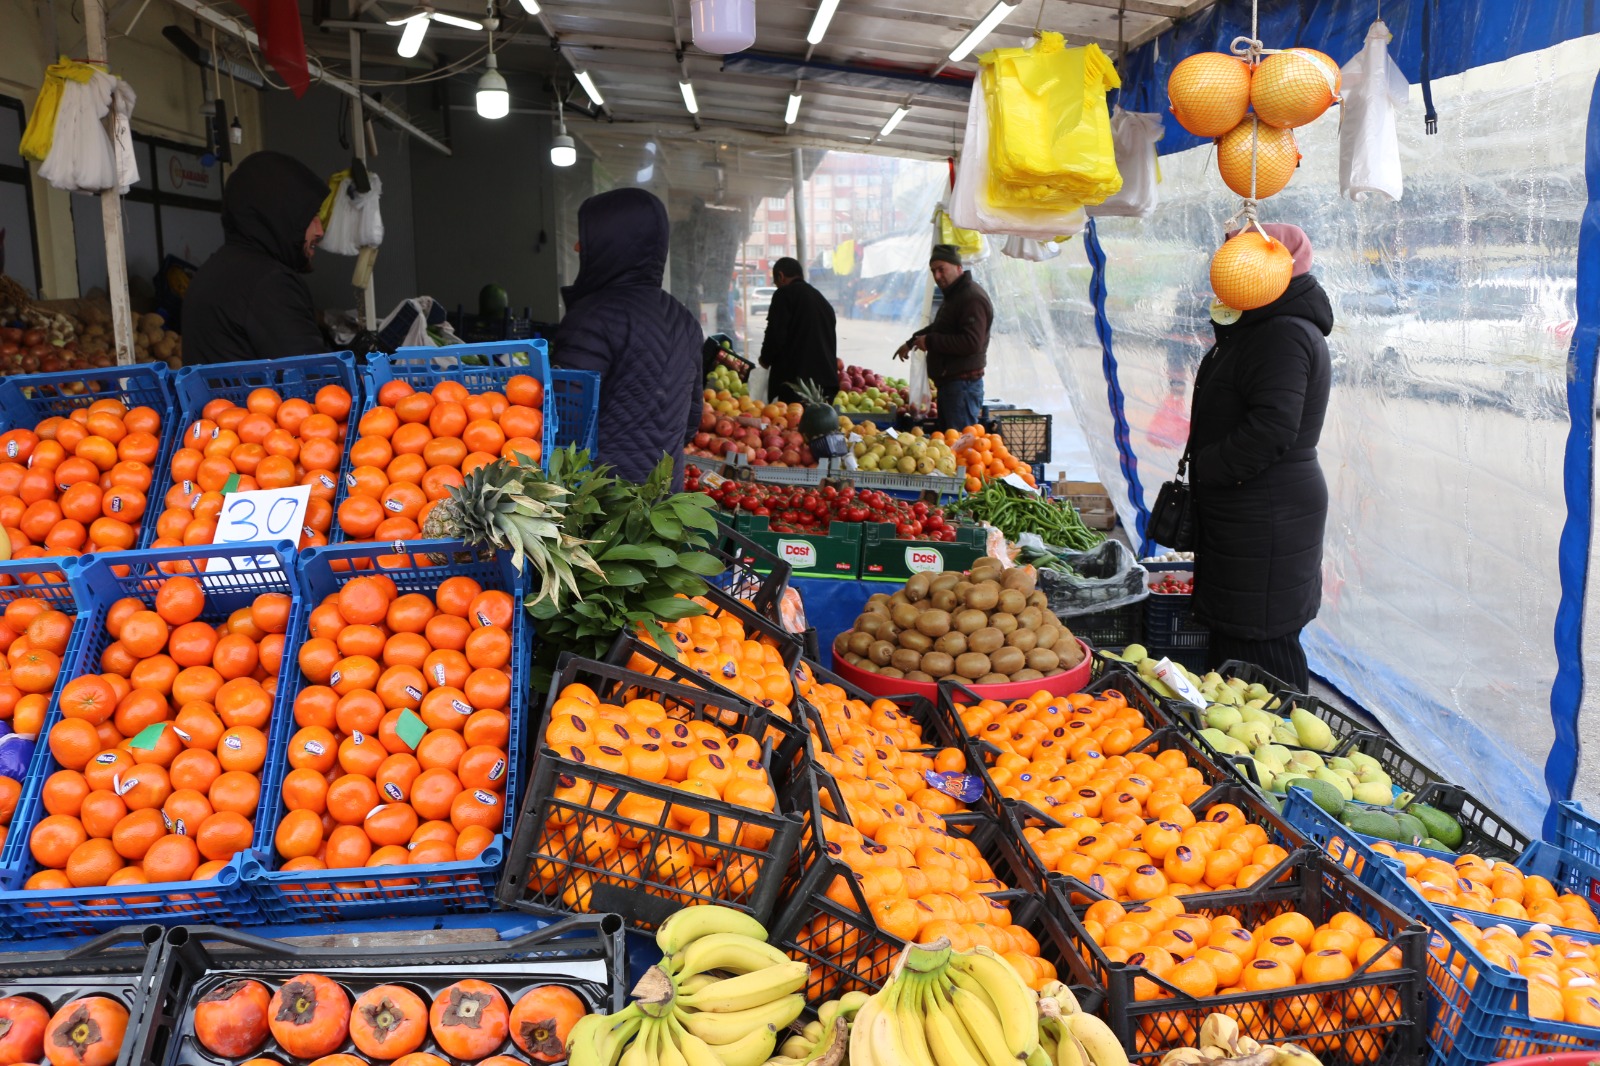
<point x="515" y="509"/>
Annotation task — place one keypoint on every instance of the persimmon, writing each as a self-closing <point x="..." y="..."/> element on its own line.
<point x="542" y="1018"/>
<point x="231" y="1019"/>
<point x="86" y="1032"/>
<point x="469" y="1019"/>
<point x="309" y="1016"/>
<point x="388" y="1021"/>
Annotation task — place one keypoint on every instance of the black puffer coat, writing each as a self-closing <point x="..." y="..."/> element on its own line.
<point x="249" y="300"/>
<point x="621" y="324"/>
<point x="801" y="342"/>
<point x="1260" y="499"/>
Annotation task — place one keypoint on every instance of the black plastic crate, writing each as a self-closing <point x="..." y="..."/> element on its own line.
<point x="752" y="573"/>
<point x="1114" y="628"/>
<point x="1172" y="633"/>
<point x="1382" y="1013"/>
<point x="594" y="839"/>
<point x="936" y="729"/>
<point x="1027" y="436"/>
<point x="584" y="954"/>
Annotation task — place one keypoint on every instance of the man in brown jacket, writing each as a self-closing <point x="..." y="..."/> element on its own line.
<point x="957" y="341"/>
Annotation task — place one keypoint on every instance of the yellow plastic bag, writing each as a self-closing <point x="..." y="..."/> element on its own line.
<point x="41" y="132"/>
<point x="1050" y="129"/>
<point x="968" y="241"/>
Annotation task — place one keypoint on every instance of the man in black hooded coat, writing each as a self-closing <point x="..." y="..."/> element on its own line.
<point x="249" y="300"/>
<point x="622" y="324"/>
<point x="1261" y="503"/>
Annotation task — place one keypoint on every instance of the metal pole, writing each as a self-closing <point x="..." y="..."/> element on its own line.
<point x="94" y="24"/>
<point x="799" y="209"/>
<point x="358" y="133"/>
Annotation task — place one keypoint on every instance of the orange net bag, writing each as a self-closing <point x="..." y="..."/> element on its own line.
<point x="1210" y="93"/>
<point x="1251" y="270"/>
<point x="1277" y="156"/>
<point x="1294" y="87"/>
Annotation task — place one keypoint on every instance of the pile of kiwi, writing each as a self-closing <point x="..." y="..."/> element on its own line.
<point x="989" y="626"/>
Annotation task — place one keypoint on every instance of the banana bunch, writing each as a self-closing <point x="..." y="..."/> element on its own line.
<point x="947" y="1008"/>
<point x="1071" y="1037"/>
<point x="1221" y="1042"/>
<point x="718" y="997"/>
<point x="822" y="1041"/>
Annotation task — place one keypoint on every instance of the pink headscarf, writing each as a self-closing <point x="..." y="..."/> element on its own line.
<point x="1291" y="237"/>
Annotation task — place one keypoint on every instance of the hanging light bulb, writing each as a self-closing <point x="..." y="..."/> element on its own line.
<point x="416" y="28"/>
<point x="494" y="99"/>
<point x="563" y="149"/>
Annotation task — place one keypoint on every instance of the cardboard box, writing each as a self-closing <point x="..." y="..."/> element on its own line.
<point x="1091" y="500"/>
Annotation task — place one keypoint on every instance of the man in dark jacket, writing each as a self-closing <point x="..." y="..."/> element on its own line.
<point x="957" y="340"/>
<point x="1260" y="499"/>
<point x="800" y="343"/>
<point x="621" y="324"/>
<point x="249" y="300"/>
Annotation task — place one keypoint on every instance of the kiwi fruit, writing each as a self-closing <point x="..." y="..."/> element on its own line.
<point x="962" y="588"/>
<point x="917" y="642"/>
<point x="859" y="643"/>
<point x="933" y="623"/>
<point x="1005" y="623"/>
<point x="986" y="640"/>
<point x="938" y="664"/>
<point x="1022" y="578"/>
<point x="1046" y="636"/>
<point x="983" y="597"/>
<point x="1012" y="601"/>
<point x="944" y="600"/>
<point x="917" y="588"/>
<point x="918" y="675"/>
<point x="1009" y="660"/>
<point x="878" y="601"/>
<point x="881" y="652"/>
<point x="993" y="679"/>
<point x="1043" y="660"/>
<point x="872" y="624"/>
<point x="952" y="644"/>
<point x="1024" y="639"/>
<point x="972" y="665"/>
<point x="841" y="643"/>
<point x="971" y="620"/>
<point x="853" y="659"/>
<point x="1027" y="675"/>
<point x="1038" y="599"/>
<point x="889" y="671"/>
<point x="1030" y="618"/>
<point x="905" y="659"/>
<point x="867" y="666"/>
<point x="946" y="581"/>
<point x="1070" y="653"/>
<point x="904" y="615"/>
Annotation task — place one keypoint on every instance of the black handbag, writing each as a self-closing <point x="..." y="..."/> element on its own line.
<point x="1171" y="520"/>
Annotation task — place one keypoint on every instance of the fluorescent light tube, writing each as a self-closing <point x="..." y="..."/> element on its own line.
<point x="819" y="25"/>
<point x="985" y="26"/>
<point x="794" y="110"/>
<point x="455" y="20"/>
<point x="531" y="6"/>
<point x="411" y="40"/>
<point x="588" y="87"/>
<point x="689" y="101"/>
<point x="894" y="120"/>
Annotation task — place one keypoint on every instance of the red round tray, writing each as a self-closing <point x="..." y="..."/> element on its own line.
<point x="1059" y="685"/>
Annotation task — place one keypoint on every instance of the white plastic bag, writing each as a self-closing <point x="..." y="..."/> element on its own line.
<point x="758" y="383"/>
<point x="920" y="391"/>
<point x="1375" y="92"/>
<point x="80" y="158"/>
<point x="127" y="160"/>
<point x="355" y="221"/>
<point x="1135" y="134"/>
<point x="1031" y="250"/>
<point x="969" y="209"/>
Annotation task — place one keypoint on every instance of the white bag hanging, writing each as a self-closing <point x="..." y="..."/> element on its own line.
<point x="127" y="160"/>
<point x="968" y="206"/>
<point x="1135" y="134"/>
<point x="80" y="158"/>
<point x="1031" y="250"/>
<point x="355" y="221"/>
<point x="920" y="393"/>
<point x="1375" y="92"/>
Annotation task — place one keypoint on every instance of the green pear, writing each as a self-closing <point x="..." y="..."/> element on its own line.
<point x="1213" y="679"/>
<point x="1265" y="774"/>
<point x="1256" y="714"/>
<point x="1283" y="733"/>
<point x="1282" y="782"/>
<point x="1258" y="692"/>
<point x="1339" y="762"/>
<point x="1314" y="732"/>
<point x="1310" y="761"/>
<point x="1135" y="653"/>
<point x="1337" y="780"/>
<point x="1363" y="760"/>
<point x="1253" y="734"/>
<point x="1236" y="684"/>
<point x="1213" y="736"/>
<point x="1374" y="775"/>
<point x="1373" y="792"/>
<point x="1274" y="755"/>
<point x="1223" y="718"/>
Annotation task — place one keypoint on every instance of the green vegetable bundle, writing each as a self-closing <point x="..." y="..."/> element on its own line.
<point x="1014" y="512"/>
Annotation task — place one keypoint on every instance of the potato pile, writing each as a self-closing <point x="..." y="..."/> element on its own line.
<point x="990" y="626"/>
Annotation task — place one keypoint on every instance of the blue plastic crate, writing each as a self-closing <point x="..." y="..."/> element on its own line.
<point x="299" y="377"/>
<point x="435" y="888"/>
<point x="1578" y="832"/>
<point x="98" y="581"/>
<point x="28" y="399"/>
<point x="577" y="402"/>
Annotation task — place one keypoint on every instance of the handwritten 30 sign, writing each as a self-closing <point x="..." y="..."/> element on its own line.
<point x="262" y="514"/>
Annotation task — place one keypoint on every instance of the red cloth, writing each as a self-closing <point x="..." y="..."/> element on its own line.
<point x="282" y="42"/>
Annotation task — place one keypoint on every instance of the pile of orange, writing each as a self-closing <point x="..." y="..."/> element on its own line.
<point x="1216" y="956"/>
<point x="181" y="807"/>
<point x="985" y="456"/>
<point x="715" y="645"/>
<point x="1563" y="971"/>
<point x="356" y="793"/>
<point x="879" y="756"/>
<point x="414" y="447"/>
<point x="33" y="636"/>
<point x="642" y="739"/>
<point x="269" y="443"/>
<point x="1476" y="884"/>
<point x="78" y="484"/>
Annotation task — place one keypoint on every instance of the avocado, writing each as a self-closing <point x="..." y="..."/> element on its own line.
<point x="1435" y="845"/>
<point x="1376" y="824"/>
<point x="1411" y="828"/>
<point x="1323" y="794"/>
<point x="1440" y="825"/>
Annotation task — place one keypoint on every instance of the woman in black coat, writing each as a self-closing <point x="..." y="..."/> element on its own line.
<point x="1260" y="500"/>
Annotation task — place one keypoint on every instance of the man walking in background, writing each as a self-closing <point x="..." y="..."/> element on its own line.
<point x="957" y="341"/>
<point x="800" y="343"/>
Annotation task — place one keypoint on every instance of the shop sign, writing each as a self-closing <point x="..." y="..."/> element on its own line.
<point x="922" y="560"/>
<point x="183" y="173"/>
<point x="799" y="554"/>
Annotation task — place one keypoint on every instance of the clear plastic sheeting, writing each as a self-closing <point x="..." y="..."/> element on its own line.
<point x="1444" y="438"/>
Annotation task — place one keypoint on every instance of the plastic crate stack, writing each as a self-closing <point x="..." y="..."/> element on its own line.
<point x="1170" y="629"/>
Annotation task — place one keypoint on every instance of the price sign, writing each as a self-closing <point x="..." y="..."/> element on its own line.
<point x="263" y="514"/>
<point x="1016" y="482"/>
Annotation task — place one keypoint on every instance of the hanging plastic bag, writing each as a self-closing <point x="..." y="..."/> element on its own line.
<point x="920" y="392"/>
<point x="41" y="131"/>
<point x="81" y="158"/>
<point x="968" y="241"/>
<point x="354" y="220"/>
<point x="1049" y="124"/>
<point x="1375" y="92"/>
<point x="970" y="207"/>
<point x="1135" y="134"/>
<point x="759" y="383"/>
<point x="123" y="99"/>
<point x="1031" y="250"/>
